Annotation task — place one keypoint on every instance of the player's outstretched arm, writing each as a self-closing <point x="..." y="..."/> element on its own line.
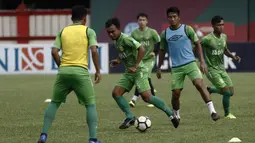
<point x="229" y="54"/>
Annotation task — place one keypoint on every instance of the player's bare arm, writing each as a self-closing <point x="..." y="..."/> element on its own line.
<point x="55" y="55"/>
<point x="95" y="58"/>
<point x="160" y="62"/>
<point x="114" y="62"/>
<point x="203" y="66"/>
<point x="229" y="54"/>
<point x="141" y="52"/>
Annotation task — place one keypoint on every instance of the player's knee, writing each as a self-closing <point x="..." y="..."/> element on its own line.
<point x="146" y="96"/>
<point x="176" y="94"/>
<point x="198" y="84"/>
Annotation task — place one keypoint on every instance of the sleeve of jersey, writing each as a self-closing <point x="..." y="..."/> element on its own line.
<point x="57" y="42"/>
<point x="203" y="42"/>
<point x="131" y="42"/>
<point x="92" y="37"/>
<point x="163" y="43"/>
<point x="156" y="37"/>
<point x="191" y="34"/>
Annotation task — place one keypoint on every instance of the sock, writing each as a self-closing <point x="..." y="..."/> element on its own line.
<point x="225" y="101"/>
<point x="156" y="101"/>
<point x="134" y="98"/>
<point x="91" y="117"/>
<point x="211" y="107"/>
<point x="152" y="88"/>
<point x="214" y="90"/>
<point x="123" y="104"/>
<point x="177" y="113"/>
<point x="49" y="116"/>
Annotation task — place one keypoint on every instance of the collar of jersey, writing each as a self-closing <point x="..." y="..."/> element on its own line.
<point x="216" y="36"/>
<point x="146" y="28"/>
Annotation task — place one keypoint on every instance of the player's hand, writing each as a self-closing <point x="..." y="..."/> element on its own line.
<point x="159" y="73"/>
<point x="114" y="63"/>
<point x="237" y="58"/>
<point x="203" y="68"/>
<point x="132" y="70"/>
<point x="97" y="77"/>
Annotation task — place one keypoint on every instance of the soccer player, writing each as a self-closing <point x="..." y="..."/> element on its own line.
<point x="148" y="37"/>
<point x="74" y="41"/>
<point x="130" y="53"/>
<point x="215" y="46"/>
<point x="178" y="39"/>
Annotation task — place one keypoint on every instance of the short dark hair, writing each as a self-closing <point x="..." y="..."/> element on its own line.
<point x="216" y="19"/>
<point x="142" y="15"/>
<point x="78" y="12"/>
<point x="173" y="10"/>
<point x="112" y="21"/>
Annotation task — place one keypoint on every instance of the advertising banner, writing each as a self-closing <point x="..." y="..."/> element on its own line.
<point x="37" y="59"/>
<point x="244" y="50"/>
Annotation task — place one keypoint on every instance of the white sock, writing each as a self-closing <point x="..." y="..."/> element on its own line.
<point x="177" y="113"/>
<point x="135" y="97"/>
<point x="211" y="107"/>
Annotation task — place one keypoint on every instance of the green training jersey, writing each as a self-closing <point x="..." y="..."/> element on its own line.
<point x="127" y="48"/>
<point x="214" y="48"/>
<point x="147" y="38"/>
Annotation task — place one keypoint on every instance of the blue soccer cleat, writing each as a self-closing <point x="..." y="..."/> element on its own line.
<point x="95" y="142"/>
<point x="43" y="138"/>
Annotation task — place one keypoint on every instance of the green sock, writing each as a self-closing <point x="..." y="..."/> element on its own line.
<point x="215" y="90"/>
<point x="91" y="116"/>
<point x="123" y="104"/>
<point x="225" y="101"/>
<point x="49" y="116"/>
<point x="156" y="101"/>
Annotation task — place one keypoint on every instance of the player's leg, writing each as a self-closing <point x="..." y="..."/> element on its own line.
<point x="83" y="88"/>
<point x="195" y="75"/>
<point x="136" y="95"/>
<point x="123" y="85"/>
<point x="178" y="77"/>
<point x="60" y="90"/>
<point x="229" y="93"/>
<point x="149" y="64"/>
<point x="145" y="92"/>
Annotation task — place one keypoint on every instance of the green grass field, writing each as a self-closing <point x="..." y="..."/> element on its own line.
<point x="22" y="108"/>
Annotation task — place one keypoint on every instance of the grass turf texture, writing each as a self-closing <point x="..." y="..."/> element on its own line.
<point x="22" y="107"/>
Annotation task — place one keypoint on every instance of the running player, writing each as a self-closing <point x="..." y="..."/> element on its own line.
<point x="148" y="37"/>
<point x="178" y="39"/>
<point x="130" y="53"/>
<point x="74" y="41"/>
<point x="215" y="46"/>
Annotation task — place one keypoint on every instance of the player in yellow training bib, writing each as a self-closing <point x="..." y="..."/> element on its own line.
<point x="75" y="41"/>
<point x="215" y="46"/>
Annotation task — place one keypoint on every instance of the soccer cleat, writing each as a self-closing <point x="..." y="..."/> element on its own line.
<point x="127" y="123"/>
<point x="150" y="105"/>
<point x="95" y="142"/>
<point x="43" y="138"/>
<point x="215" y="116"/>
<point x="230" y="116"/>
<point x="175" y="121"/>
<point x="132" y="103"/>
<point x="155" y="90"/>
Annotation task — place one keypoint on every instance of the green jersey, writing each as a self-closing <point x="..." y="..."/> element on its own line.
<point x="214" y="48"/>
<point x="147" y="38"/>
<point x="127" y="48"/>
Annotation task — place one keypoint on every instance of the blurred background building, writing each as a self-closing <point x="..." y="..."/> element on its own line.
<point x="37" y="22"/>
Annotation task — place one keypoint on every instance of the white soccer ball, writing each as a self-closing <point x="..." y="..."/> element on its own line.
<point x="142" y="123"/>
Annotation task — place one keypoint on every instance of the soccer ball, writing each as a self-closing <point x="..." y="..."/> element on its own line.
<point x="142" y="123"/>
